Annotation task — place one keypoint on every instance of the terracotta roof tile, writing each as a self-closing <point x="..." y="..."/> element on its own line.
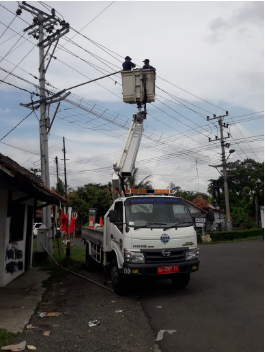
<point x="196" y="206"/>
<point x="202" y="203"/>
<point x="15" y="168"/>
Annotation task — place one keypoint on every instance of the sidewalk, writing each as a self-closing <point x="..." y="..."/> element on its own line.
<point x="19" y="299"/>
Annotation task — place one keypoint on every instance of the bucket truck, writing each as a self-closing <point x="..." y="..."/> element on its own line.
<point x="146" y="232"/>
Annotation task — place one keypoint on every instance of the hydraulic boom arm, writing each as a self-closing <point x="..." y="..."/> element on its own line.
<point x="126" y="165"/>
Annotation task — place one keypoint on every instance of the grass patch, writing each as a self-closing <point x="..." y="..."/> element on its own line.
<point x="74" y="262"/>
<point x="6" y="337"/>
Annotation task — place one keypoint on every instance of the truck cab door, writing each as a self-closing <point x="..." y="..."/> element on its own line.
<point x="117" y="231"/>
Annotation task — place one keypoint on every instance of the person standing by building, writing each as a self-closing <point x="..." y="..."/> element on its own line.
<point x="127" y="65"/>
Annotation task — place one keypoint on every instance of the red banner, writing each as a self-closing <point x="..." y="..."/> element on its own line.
<point x="64" y="222"/>
<point x="72" y="226"/>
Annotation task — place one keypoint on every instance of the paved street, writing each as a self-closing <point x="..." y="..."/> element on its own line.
<point x="222" y="307"/>
<point x="220" y="310"/>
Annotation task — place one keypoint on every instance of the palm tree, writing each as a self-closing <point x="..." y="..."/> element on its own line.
<point x="145" y="183"/>
<point x="61" y="188"/>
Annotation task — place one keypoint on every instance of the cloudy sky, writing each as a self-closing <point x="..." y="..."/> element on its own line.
<point x="209" y="59"/>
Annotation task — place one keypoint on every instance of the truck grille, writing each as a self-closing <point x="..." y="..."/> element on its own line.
<point x="156" y="256"/>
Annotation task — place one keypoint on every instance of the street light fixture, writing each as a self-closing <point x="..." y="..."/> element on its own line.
<point x="231" y="151"/>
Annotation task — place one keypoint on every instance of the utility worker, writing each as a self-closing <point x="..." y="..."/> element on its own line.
<point x="146" y="65"/>
<point x="127" y="65"/>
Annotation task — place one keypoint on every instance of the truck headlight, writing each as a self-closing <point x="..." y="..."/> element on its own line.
<point x="133" y="257"/>
<point x="192" y="254"/>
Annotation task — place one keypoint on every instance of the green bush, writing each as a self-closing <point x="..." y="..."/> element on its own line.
<point x="233" y="235"/>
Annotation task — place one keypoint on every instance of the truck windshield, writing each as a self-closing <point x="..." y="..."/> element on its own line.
<point x="157" y="212"/>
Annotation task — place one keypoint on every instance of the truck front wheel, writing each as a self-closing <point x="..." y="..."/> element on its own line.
<point x="118" y="281"/>
<point x="180" y="280"/>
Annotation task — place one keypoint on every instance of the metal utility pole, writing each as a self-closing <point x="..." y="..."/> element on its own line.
<point x="45" y="22"/>
<point x="223" y="165"/>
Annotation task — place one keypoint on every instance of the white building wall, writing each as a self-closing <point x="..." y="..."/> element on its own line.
<point x="219" y="217"/>
<point x="6" y="260"/>
<point x="3" y="214"/>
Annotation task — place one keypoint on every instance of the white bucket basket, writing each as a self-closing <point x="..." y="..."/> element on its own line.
<point x="133" y="86"/>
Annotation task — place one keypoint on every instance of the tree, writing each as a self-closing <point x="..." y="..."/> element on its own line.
<point x="145" y="183"/>
<point x="188" y="195"/>
<point x="90" y="196"/>
<point x="61" y="188"/>
<point x="246" y="189"/>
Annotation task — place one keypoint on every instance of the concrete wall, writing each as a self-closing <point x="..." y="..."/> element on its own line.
<point x="219" y="218"/>
<point x="12" y="254"/>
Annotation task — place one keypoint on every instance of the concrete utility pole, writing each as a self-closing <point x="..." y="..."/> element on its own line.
<point x="223" y="165"/>
<point x="65" y="178"/>
<point x="45" y="22"/>
<point x="57" y="174"/>
<point x="43" y="124"/>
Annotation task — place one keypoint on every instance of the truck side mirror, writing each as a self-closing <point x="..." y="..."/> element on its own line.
<point x="113" y="216"/>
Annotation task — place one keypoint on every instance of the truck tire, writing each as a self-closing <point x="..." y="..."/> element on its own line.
<point x="90" y="262"/>
<point x="180" y="280"/>
<point x="118" y="281"/>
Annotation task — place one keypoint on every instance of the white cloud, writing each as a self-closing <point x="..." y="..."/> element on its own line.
<point x="239" y="21"/>
<point x="4" y="111"/>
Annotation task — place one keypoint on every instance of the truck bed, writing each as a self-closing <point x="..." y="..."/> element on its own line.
<point x="95" y="236"/>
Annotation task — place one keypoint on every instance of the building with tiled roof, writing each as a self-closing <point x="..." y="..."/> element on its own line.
<point x="19" y="191"/>
<point x="200" y="202"/>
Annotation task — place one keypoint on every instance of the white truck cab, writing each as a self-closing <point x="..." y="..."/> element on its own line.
<point x="151" y="234"/>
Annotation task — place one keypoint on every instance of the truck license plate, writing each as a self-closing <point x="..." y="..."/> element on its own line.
<point x="168" y="270"/>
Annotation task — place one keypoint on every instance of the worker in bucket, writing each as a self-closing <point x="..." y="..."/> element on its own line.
<point x="146" y="65"/>
<point x="127" y="65"/>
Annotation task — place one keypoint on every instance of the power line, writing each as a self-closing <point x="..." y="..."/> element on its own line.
<point x="27" y="151"/>
<point x="244" y="137"/>
<point x="12" y="46"/>
<point x="99" y="45"/>
<point x="8" y="26"/>
<point x="88" y="23"/>
<point x="27" y="81"/>
<point x="115" y="94"/>
<point x="8" y="39"/>
<point x="16" y="126"/>
<point x="13" y="85"/>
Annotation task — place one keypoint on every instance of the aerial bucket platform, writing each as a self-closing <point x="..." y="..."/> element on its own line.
<point x="138" y="84"/>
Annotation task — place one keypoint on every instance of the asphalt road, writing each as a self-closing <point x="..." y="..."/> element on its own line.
<point x="220" y="310"/>
<point x="222" y="307"/>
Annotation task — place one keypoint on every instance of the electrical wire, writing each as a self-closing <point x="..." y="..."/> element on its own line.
<point x="89" y="23"/>
<point x="13" y="85"/>
<point x="24" y="150"/>
<point x="8" y="26"/>
<point x="10" y="50"/>
<point x="16" y="126"/>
